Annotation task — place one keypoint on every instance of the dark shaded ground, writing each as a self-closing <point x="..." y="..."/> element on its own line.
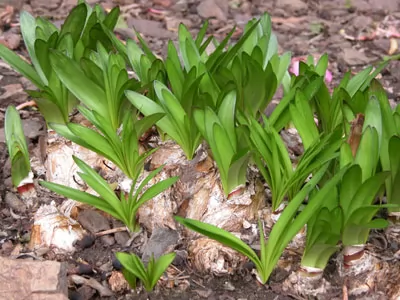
<point x="354" y="33"/>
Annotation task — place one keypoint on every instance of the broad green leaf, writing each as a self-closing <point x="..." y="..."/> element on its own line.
<point x="368" y="152"/>
<point x="16" y="145"/>
<point x="28" y="27"/>
<point x="160" y="266"/>
<point x="75" y="22"/>
<point x="21" y="66"/>
<point x="351" y="182"/>
<point x="82" y="197"/>
<point x="222" y="236"/>
<point x="78" y="83"/>
<point x="357" y="81"/>
<point x="156" y="189"/>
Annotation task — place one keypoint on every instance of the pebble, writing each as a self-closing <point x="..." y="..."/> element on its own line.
<point x="294" y="7"/>
<point x="213" y="9"/>
<point x="32" y="128"/>
<point x="121" y="238"/>
<point x="93" y="221"/>
<point x="15" y="203"/>
<point x="108" y="240"/>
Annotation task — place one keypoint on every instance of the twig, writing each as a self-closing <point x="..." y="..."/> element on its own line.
<point x="180" y="277"/>
<point x="345" y="293"/>
<point x="26" y="104"/>
<point x="198" y="283"/>
<point x="110" y="231"/>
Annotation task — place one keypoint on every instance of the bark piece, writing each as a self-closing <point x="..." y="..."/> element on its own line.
<point x="33" y="280"/>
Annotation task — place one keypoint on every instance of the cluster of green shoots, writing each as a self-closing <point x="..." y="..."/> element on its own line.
<point x="351" y="136"/>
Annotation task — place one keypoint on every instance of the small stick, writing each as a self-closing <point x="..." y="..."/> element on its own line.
<point x="345" y="293"/>
<point x="26" y="104"/>
<point x="110" y="231"/>
<point x="181" y="277"/>
<point x="198" y="283"/>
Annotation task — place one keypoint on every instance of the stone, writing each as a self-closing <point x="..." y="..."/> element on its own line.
<point x="93" y="221"/>
<point x="294" y="7"/>
<point x="162" y="241"/>
<point x="32" y="128"/>
<point x="108" y="240"/>
<point x="375" y="6"/>
<point x="86" y="292"/>
<point x="149" y="28"/>
<point x="361" y="22"/>
<point x="15" y="203"/>
<point x="213" y="9"/>
<point x="121" y="238"/>
<point x="353" y="57"/>
<point x="33" y="280"/>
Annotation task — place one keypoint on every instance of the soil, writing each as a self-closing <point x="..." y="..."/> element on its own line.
<point x="354" y="33"/>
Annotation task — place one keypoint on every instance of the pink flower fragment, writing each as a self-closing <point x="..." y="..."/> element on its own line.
<point x="295" y="68"/>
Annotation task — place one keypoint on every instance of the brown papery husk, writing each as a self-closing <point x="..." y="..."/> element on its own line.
<point x="307" y="281"/>
<point x="358" y="266"/>
<point x="27" y="190"/>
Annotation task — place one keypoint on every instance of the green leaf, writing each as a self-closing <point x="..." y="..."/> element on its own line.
<point x="160" y="266"/>
<point x="82" y="197"/>
<point x="154" y="270"/>
<point x="368" y="152"/>
<point x="16" y="145"/>
<point x="98" y="184"/>
<point x="28" y="27"/>
<point x="366" y="194"/>
<point x="201" y="34"/>
<point x="351" y="182"/>
<point x="78" y="83"/>
<point x="20" y="66"/>
<point x="357" y="81"/>
<point x="156" y="189"/>
<point x="75" y="23"/>
<point x="112" y="18"/>
<point x="224" y="237"/>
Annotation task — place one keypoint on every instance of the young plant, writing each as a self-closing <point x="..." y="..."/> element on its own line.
<point x="17" y="151"/>
<point x="287" y="226"/>
<point x="361" y="184"/>
<point x="121" y="148"/>
<point x="357" y="198"/>
<point x="177" y="122"/>
<point x="389" y="154"/>
<point x="226" y="143"/>
<point x="273" y="160"/>
<point x="123" y="208"/>
<point x="54" y="100"/>
<point x="100" y="82"/>
<point x="323" y="235"/>
<point x="133" y="269"/>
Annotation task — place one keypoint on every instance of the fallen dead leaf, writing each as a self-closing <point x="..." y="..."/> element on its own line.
<point x="117" y="282"/>
<point x="93" y="283"/>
